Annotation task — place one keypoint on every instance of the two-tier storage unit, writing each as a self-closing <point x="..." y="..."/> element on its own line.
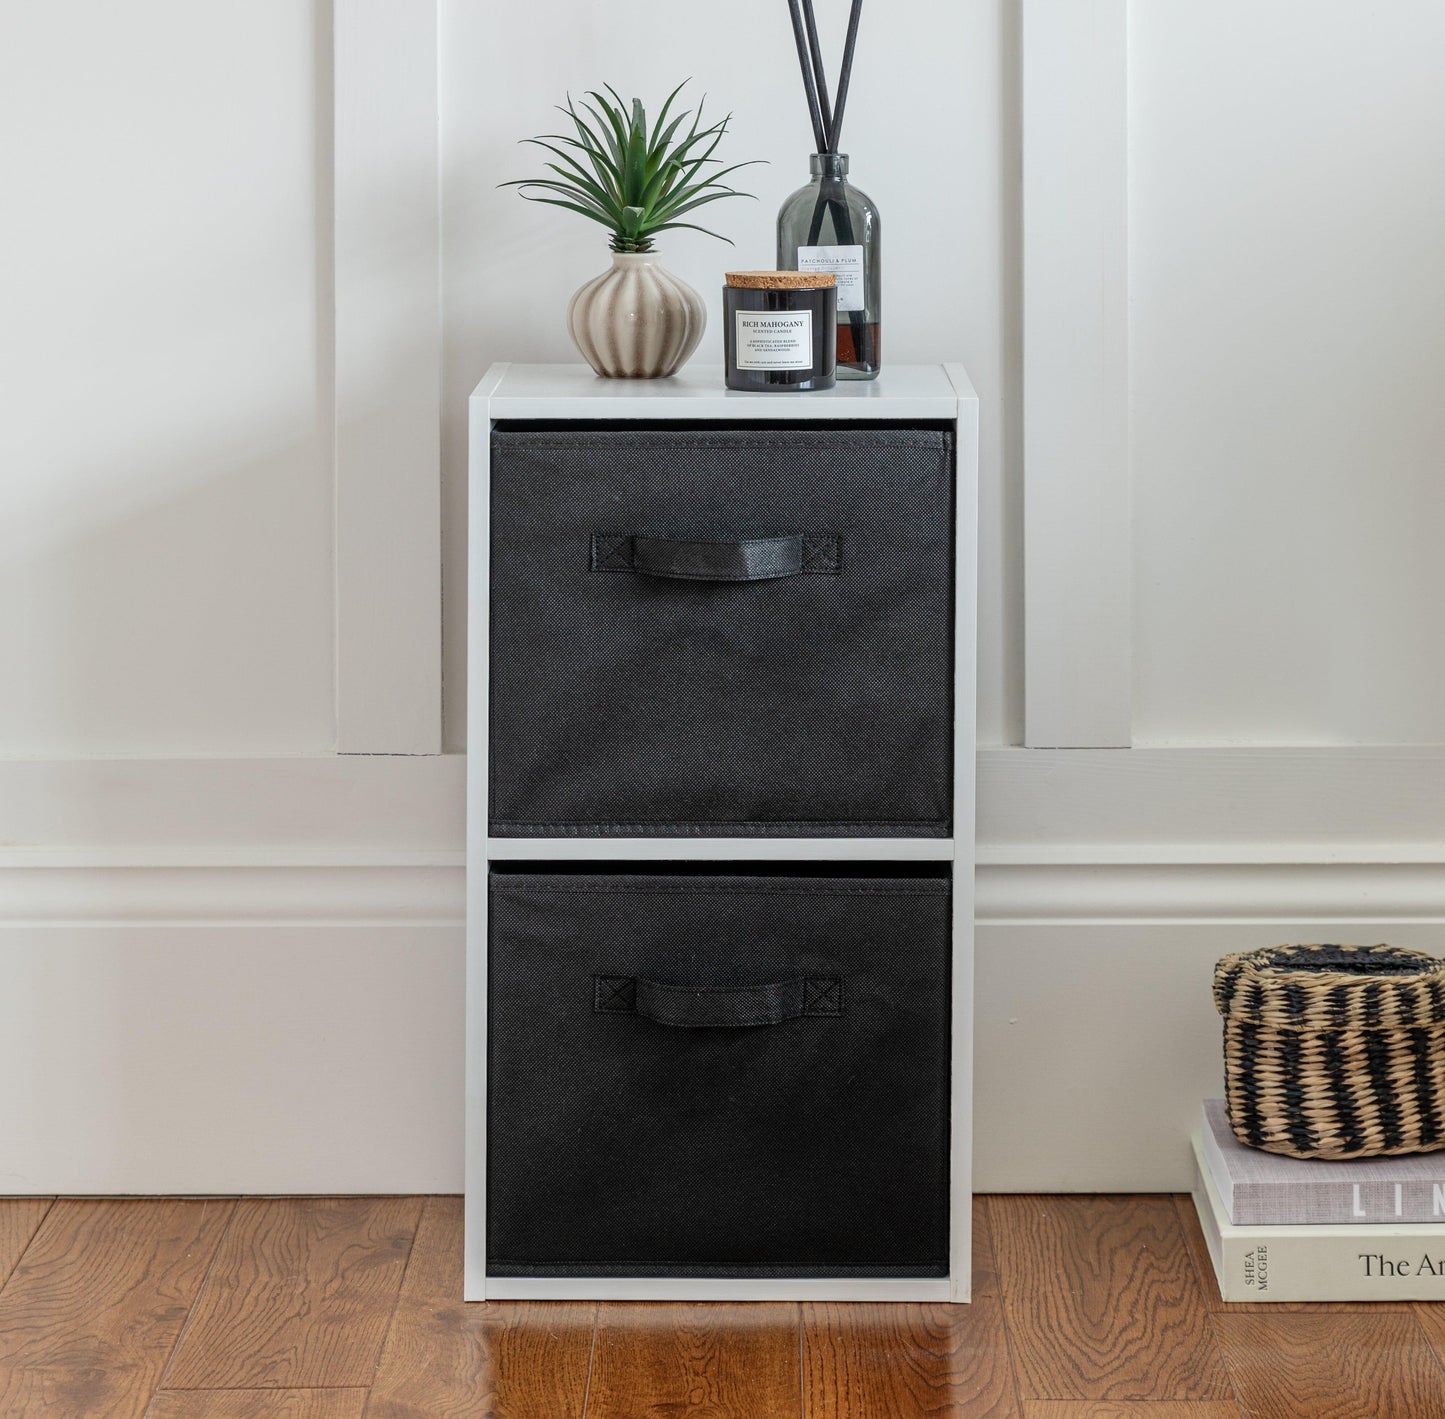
<point x="720" y="837"/>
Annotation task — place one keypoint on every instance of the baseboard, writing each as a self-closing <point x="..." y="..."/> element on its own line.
<point x="259" y="989"/>
<point x="230" y="1057"/>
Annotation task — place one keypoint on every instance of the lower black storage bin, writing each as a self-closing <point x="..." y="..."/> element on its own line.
<point x="740" y="1072"/>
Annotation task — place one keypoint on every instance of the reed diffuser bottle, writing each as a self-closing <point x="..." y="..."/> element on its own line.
<point x="830" y="225"/>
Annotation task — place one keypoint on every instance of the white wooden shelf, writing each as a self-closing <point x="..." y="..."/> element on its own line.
<point x="917" y="393"/>
<point x="698" y="392"/>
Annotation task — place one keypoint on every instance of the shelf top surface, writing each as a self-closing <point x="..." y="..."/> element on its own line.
<point x="516" y="391"/>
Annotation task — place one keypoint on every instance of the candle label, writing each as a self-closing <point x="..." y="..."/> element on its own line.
<point x="845" y="262"/>
<point x="775" y="340"/>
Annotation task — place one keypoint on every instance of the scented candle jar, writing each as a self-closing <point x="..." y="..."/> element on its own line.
<point x="779" y="330"/>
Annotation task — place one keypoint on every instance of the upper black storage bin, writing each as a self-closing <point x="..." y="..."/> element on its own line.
<point x="721" y="630"/>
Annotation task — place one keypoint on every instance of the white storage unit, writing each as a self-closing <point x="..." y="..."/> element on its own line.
<point x="558" y="396"/>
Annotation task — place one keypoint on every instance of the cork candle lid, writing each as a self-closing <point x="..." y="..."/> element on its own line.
<point x="780" y="280"/>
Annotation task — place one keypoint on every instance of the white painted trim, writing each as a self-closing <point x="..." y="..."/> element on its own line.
<point x="1186" y="804"/>
<point x="479" y="625"/>
<point x="1208" y="854"/>
<point x="258" y="855"/>
<point x="1035" y="806"/>
<point x="273" y="810"/>
<point x="388" y="378"/>
<point x="255" y="896"/>
<point x="1077" y="565"/>
<point x="231" y="1055"/>
<point x="965" y="738"/>
<point x="264" y="894"/>
<point x="122" y="949"/>
<point x="1327" y="894"/>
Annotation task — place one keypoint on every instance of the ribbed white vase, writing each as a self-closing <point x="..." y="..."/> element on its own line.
<point x="636" y="321"/>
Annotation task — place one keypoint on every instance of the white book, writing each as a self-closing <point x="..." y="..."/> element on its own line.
<point x="1268" y="1189"/>
<point x="1321" y="1262"/>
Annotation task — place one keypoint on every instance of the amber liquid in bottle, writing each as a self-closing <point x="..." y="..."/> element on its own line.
<point x="852" y="350"/>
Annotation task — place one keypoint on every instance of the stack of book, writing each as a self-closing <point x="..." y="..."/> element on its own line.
<point x="1295" y="1229"/>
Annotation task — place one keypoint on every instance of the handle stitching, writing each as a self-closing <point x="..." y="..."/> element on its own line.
<point x="616" y="995"/>
<point x="611" y="554"/>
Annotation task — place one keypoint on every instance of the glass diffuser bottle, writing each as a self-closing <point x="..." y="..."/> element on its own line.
<point x="830" y="225"/>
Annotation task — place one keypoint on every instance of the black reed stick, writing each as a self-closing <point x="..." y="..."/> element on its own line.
<point x="845" y="74"/>
<point x="820" y="134"/>
<point x="832" y="192"/>
<point x="820" y="77"/>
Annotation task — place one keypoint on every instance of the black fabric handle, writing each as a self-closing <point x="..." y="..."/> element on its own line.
<point x="734" y="559"/>
<point x="712" y="1006"/>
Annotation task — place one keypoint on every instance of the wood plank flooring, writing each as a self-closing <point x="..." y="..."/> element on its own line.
<point x="300" y="1296"/>
<point x="350" y="1308"/>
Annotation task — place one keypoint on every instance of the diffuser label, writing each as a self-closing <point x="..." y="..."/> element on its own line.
<point x="846" y="263"/>
<point x="775" y="339"/>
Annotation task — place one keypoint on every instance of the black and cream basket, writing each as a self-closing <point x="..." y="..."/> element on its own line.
<point x="1334" y="1051"/>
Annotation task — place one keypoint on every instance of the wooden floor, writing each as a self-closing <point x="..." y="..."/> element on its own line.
<point x="349" y="1308"/>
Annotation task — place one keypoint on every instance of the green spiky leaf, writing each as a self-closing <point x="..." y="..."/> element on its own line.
<point x="633" y="180"/>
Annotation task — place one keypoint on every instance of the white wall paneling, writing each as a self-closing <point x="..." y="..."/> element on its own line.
<point x="263" y="988"/>
<point x="1077" y="684"/>
<point x="1100" y="1039"/>
<point x="325" y="809"/>
<point x="1287" y="314"/>
<point x="1371" y="803"/>
<point x="219" y="526"/>
<point x="159" y="1056"/>
<point x="166" y="500"/>
<point x="1034" y="806"/>
<point x="222" y="975"/>
<point x="218" y="533"/>
<point x="226" y="1054"/>
<point x="1231" y="440"/>
<point x="213" y="1030"/>
<point x="388" y="379"/>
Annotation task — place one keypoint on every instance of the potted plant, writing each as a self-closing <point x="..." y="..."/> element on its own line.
<point x="636" y="321"/>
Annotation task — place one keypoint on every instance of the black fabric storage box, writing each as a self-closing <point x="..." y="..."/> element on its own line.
<point x="730" y="1072"/>
<point x="721" y="630"/>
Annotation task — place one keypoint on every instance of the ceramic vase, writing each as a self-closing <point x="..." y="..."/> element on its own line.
<point x="636" y="321"/>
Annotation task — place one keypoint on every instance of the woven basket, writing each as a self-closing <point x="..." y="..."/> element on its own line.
<point x="1334" y="1051"/>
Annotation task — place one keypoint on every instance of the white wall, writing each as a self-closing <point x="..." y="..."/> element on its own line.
<point x="234" y="961"/>
<point x="166" y="495"/>
<point x="929" y="129"/>
<point x="1287" y="282"/>
<point x="226" y="955"/>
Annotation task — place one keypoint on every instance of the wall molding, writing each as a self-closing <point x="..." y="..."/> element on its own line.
<point x="247" y="974"/>
<point x="1186" y="805"/>
<point x="256" y="897"/>
<point x="387" y="312"/>
<point x="1078" y="562"/>
<point x="259" y="811"/>
<point x="55" y="890"/>
<point x="1325" y="803"/>
<point x="1045" y="818"/>
<point x="1171" y="894"/>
